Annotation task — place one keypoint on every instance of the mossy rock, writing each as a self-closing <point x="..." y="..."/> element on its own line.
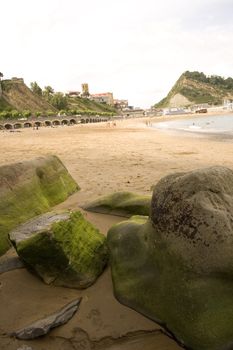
<point x="122" y="204"/>
<point x="62" y="248"/>
<point x="177" y="266"/>
<point x="31" y="188"/>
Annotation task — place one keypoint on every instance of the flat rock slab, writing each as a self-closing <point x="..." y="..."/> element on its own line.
<point x="44" y="325"/>
<point x="38" y="224"/>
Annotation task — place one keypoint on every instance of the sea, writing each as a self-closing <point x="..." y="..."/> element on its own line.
<point x="221" y="125"/>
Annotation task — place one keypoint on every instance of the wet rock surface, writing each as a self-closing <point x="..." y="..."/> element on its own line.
<point x="177" y="266"/>
<point x="25" y="347"/>
<point x="122" y="204"/>
<point x="10" y="264"/>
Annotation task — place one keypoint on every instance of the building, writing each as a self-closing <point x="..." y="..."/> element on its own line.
<point x="121" y="104"/>
<point x="175" y="111"/>
<point x="73" y="93"/>
<point x="106" y="97"/>
<point x="228" y="103"/>
<point x="85" y="90"/>
<point x="199" y="106"/>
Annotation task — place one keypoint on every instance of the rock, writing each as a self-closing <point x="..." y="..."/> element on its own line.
<point x="25" y="347"/>
<point x="44" y="325"/>
<point x="31" y="188"/>
<point x="122" y="204"/>
<point x="62" y="248"/>
<point x="177" y="266"/>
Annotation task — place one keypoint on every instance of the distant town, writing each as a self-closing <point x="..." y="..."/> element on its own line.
<point x="227" y="105"/>
<point x="194" y="92"/>
<point x="105" y="97"/>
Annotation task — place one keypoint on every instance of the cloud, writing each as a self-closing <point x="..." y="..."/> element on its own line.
<point x="135" y="49"/>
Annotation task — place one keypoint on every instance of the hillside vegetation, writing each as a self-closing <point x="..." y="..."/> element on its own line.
<point x="17" y="99"/>
<point x="80" y="104"/>
<point x="17" y="96"/>
<point x="197" y="88"/>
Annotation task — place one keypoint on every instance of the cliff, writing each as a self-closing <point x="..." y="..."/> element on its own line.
<point x="17" y="96"/>
<point x="197" y="88"/>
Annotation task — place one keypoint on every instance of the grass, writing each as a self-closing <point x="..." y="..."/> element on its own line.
<point x="85" y="104"/>
<point x="4" y="106"/>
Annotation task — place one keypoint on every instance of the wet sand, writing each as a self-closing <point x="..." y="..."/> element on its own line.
<point x="102" y="159"/>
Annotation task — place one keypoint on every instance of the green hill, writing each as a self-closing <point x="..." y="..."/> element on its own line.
<point x="197" y="88"/>
<point x="17" y="96"/>
<point x="80" y="104"/>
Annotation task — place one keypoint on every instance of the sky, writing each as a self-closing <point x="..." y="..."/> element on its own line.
<point x="135" y="49"/>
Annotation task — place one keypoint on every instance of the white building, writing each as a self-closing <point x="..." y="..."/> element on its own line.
<point x="175" y="111"/>
<point x="228" y="103"/>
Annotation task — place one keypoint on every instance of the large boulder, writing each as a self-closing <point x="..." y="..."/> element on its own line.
<point x="31" y="188"/>
<point x="122" y="204"/>
<point x="177" y="266"/>
<point x="62" y="248"/>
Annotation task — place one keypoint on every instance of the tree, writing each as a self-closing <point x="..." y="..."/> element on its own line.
<point x="38" y="114"/>
<point x="229" y="83"/>
<point x="48" y="92"/>
<point x="198" y="76"/>
<point x="15" y="114"/>
<point x="26" y="114"/>
<point x="216" y="80"/>
<point x="5" y="114"/>
<point x="1" y="75"/>
<point x="36" y="89"/>
<point x="59" y="101"/>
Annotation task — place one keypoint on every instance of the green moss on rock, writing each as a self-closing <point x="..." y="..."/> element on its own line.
<point x="121" y="203"/>
<point x="62" y="248"/>
<point x="176" y="267"/>
<point x="30" y="188"/>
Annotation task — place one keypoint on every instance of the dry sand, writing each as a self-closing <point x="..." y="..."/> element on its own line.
<point x="102" y="159"/>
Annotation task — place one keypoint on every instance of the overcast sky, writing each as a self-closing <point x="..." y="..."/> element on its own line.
<point x="135" y="49"/>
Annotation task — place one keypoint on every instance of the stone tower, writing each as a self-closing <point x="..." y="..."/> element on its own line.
<point x="85" y="89"/>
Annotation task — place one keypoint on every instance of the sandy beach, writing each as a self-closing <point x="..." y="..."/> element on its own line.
<point x="129" y="156"/>
<point x="102" y="159"/>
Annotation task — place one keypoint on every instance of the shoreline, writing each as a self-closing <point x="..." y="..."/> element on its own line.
<point x="192" y="115"/>
<point x="221" y="135"/>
